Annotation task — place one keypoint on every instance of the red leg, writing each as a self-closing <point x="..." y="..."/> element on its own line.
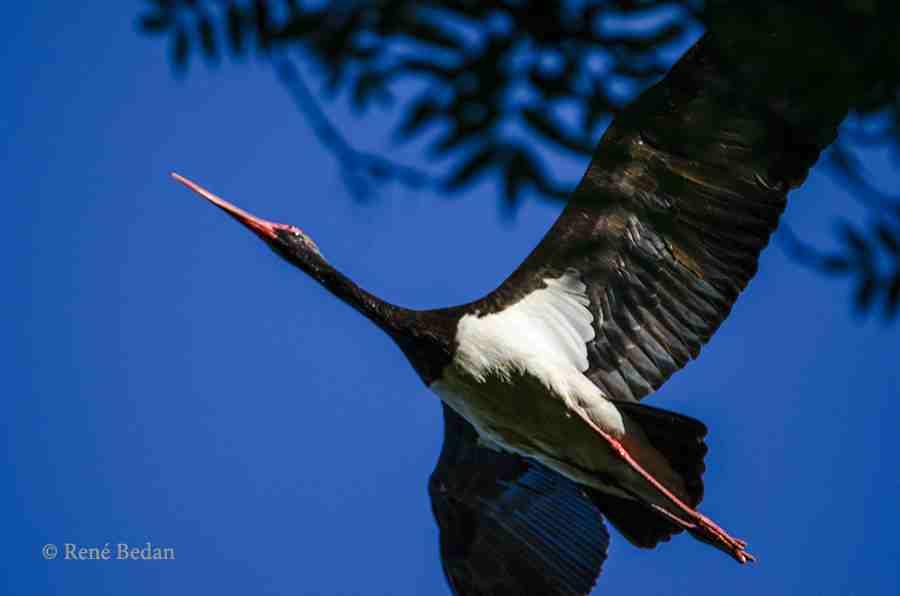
<point x="695" y="522"/>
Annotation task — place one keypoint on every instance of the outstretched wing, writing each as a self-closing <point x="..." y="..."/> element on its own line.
<point x="509" y="526"/>
<point x="666" y="226"/>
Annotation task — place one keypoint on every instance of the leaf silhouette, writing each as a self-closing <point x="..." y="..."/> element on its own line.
<point x="236" y="22"/>
<point x="208" y="38"/>
<point x="181" y="48"/>
<point x="155" y="22"/>
<point x="474" y="166"/>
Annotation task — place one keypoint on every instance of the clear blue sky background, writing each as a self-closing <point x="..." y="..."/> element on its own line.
<point x="168" y="379"/>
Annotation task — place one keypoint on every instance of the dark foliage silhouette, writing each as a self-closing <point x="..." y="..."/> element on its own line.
<point x="497" y="86"/>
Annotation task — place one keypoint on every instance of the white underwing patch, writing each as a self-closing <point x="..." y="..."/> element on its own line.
<point x="552" y="324"/>
<point x="543" y="336"/>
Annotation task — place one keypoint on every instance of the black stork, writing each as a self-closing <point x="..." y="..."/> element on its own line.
<point x="541" y="379"/>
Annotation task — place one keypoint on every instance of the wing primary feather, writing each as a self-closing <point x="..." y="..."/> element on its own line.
<point x="682" y="194"/>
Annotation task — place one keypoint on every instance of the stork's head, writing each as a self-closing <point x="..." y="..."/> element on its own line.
<point x="286" y="240"/>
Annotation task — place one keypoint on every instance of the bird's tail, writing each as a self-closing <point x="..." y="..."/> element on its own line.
<point x="665" y="451"/>
<point x="678" y="440"/>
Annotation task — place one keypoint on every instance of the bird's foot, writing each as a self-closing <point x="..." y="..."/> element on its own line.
<point x="706" y="530"/>
<point x="722" y="539"/>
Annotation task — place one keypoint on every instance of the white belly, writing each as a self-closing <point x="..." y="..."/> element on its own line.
<point x="524" y="414"/>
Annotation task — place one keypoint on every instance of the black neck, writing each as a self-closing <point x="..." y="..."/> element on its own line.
<point x="385" y="315"/>
<point x="426" y="337"/>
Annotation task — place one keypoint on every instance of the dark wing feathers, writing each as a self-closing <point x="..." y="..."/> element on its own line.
<point x="509" y="525"/>
<point x="668" y="222"/>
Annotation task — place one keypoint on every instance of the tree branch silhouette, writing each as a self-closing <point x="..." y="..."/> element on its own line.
<point x="495" y="87"/>
<point x="359" y="169"/>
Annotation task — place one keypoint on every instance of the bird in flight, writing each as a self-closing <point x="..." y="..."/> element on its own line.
<point x="542" y="379"/>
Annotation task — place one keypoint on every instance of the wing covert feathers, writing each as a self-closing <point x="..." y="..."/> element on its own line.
<point x="665" y="228"/>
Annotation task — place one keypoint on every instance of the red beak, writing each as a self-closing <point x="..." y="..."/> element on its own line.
<point x="265" y="229"/>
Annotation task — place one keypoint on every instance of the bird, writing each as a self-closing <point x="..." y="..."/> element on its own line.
<point x="546" y="436"/>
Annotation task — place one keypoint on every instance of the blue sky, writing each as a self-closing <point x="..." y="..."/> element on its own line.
<point x="169" y="380"/>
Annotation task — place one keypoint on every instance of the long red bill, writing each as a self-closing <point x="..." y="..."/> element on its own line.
<point x="266" y="229"/>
